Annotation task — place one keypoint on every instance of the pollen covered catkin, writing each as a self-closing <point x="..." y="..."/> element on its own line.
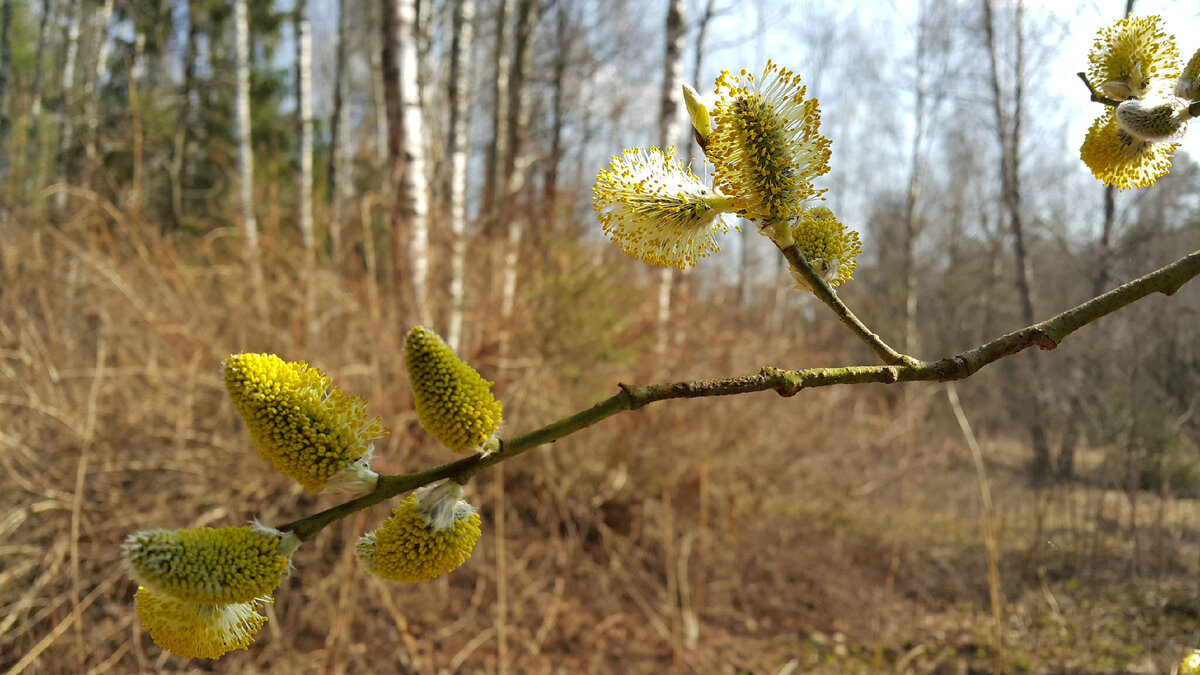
<point x="454" y="403"/>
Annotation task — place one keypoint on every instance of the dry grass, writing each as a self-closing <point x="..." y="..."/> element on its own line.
<point x="754" y="534"/>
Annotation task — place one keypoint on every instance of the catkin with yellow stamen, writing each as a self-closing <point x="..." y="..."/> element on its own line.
<point x="302" y="423"/>
<point x="196" y="631"/>
<point x="1133" y="58"/>
<point x="827" y="245"/>
<point x="766" y="144"/>
<point x="431" y="533"/>
<point x="1120" y="160"/>
<point x="454" y="403"/>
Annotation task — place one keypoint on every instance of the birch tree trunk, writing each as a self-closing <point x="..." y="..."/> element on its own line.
<point x="670" y="98"/>
<point x="557" y="110"/>
<point x="35" y="106"/>
<point x="304" y="109"/>
<point x="389" y="69"/>
<point x="336" y="172"/>
<point x="512" y="179"/>
<point x="405" y="150"/>
<point x="183" y="121"/>
<point x="1008" y="131"/>
<point x="493" y="176"/>
<point x="456" y="147"/>
<point x="380" y="88"/>
<point x="66" y="125"/>
<point x="245" y="158"/>
<point x="414" y="189"/>
<point x="93" y="92"/>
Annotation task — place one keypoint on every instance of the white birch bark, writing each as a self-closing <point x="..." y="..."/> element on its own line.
<point x="668" y="132"/>
<point x="414" y="187"/>
<point x="66" y="125"/>
<point x="245" y="157"/>
<point x="304" y="108"/>
<point x="462" y="26"/>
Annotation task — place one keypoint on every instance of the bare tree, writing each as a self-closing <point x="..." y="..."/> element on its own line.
<point x="66" y="124"/>
<point x="512" y="180"/>
<point x="35" y="105"/>
<point x="911" y="224"/>
<point x="670" y="100"/>
<point x="380" y="86"/>
<point x="456" y="148"/>
<point x="336" y="173"/>
<point x="1008" y="133"/>
<point x="558" y="86"/>
<point x="187" y="89"/>
<point x="5" y="68"/>
<point x="493" y="177"/>
<point x="414" y="189"/>
<point x="245" y="157"/>
<point x="1065" y="464"/>
<point x="92" y="93"/>
<point x="304" y="111"/>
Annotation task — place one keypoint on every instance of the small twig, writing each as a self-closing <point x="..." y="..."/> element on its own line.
<point x="1096" y="97"/>
<point x="1047" y="335"/>
<point x="827" y="295"/>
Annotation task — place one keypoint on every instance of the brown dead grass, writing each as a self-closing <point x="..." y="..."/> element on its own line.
<point x="754" y="534"/>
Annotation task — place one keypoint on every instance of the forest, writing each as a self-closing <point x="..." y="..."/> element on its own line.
<point x="184" y="181"/>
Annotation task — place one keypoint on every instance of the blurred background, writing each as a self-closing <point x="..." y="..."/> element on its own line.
<point x="185" y="179"/>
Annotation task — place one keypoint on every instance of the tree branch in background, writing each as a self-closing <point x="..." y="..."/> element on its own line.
<point x="1048" y="334"/>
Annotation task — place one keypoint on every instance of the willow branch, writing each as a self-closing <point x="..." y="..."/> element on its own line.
<point x="1047" y="335"/>
<point x="1097" y="97"/>
<point x="827" y="295"/>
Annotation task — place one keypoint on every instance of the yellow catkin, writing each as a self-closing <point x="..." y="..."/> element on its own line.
<point x="1135" y="54"/>
<point x="196" y="631"/>
<point x="1190" y="664"/>
<point x="828" y="246"/>
<point x="411" y="546"/>
<point x="657" y="211"/>
<point x="305" y="426"/>
<point x="766" y="145"/>
<point x="1119" y="160"/>
<point x="215" y="566"/>
<point x="454" y="403"/>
